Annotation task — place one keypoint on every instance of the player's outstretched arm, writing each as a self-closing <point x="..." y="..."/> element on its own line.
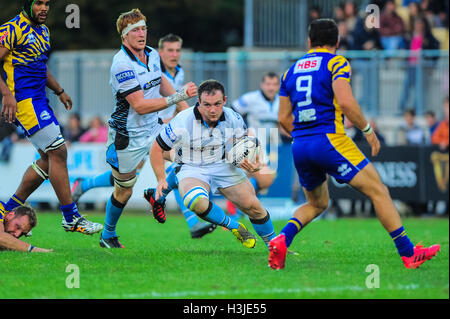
<point x="9" y="242"/>
<point x="53" y="85"/>
<point x="285" y="116"/>
<point x="350" y="108"/>
<point x="9" y="103"/>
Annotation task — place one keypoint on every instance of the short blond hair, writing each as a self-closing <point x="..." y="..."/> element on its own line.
<point x="130" y="17"/>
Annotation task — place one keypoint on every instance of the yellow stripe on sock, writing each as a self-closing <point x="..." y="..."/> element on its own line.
<point x="17" y="201"/>
<point x="401" y="235"/>
<point x="296" y="224"/>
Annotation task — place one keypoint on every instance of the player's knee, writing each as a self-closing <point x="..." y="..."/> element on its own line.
<point x="124" y="188"/>
<point x="122" y="195"/>
<point x="59" y="154"/>
<point x="320" y="204"/>
<point x="41" y="169"/>
<point x="196" y="200"/>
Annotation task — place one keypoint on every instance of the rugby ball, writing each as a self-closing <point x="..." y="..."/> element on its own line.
<point x="246" y="148"/>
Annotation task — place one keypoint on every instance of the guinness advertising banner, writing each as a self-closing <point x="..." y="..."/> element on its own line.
<point x="411" y="173"/>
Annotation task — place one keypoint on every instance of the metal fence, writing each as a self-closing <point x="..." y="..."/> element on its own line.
<point x="379" y="78"/>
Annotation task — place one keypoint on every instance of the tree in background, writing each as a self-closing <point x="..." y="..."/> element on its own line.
<point x="210" y="26"/>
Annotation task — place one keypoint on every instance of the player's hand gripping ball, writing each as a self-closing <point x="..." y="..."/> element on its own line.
<point x="246" y="148"/>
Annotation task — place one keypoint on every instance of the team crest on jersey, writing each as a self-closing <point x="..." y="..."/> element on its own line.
<point x="45" y="116"/>
<point x="155" y="67"/>
<point x="45" y="35"/>
<point x="308" y="65"/>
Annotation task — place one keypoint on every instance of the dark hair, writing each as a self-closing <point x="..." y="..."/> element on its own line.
<point x="28" y="211"/>
<point x="323" y="32"/>
<point x="411" y="112"/>
<point x="169" y="38"/>
<point x="270" y="75"/>
<point x="209" y="87"/>
<point x="430" y="113"/>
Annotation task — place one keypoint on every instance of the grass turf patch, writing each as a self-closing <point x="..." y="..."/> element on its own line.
<point x="162" y="261"/>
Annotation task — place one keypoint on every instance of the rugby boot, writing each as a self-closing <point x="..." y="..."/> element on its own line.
<point x="81" y="225"/>
<point x="244" y="236"/>
<point x="420" y="256"/>
<point x="157" y="207"/>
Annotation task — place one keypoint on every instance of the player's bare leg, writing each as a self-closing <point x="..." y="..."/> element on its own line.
<point x="368" y="182"/>
<point x="316" y="202"/>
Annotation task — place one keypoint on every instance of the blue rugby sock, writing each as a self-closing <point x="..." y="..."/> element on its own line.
<point x="172" y="183"/>
<point x="191" y="217"/>
<point x="103" y="180"/>
<point x="69" y="212"/>
<point x="291" y="230"/>
<point x="114" y="210"/>
<point x="404" y="246"/>
<point x="264" y="228"/>
<point x="214" y="214"/>
<point x="13" y="202"/>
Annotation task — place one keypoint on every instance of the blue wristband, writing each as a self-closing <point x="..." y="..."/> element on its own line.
<point x="30" y="248"/>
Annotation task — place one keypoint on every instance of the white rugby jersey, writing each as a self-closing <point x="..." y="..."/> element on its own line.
<point x="260" y="111"/>
<point x="177" y="83"/>
<point x="196" y="142"/>
<point x="128" y="75"/>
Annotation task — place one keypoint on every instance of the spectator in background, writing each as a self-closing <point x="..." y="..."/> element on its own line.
<point x="415" y="13"/>
<point x="412" y="133"/>
<point x="441" y="134"/>
<point x="339" y="13"/>
<point x="392" y="28"/>
<point x="315" y="12"/>
<point x="8" y="136"/>
<point x="97" y="132"/>
<point x="344" y="38"/>
<point x="350" y="12"/>
<point x="359" y="136"/>
<point x="74" y="130"/>
<point x="436" y="12"/>
<point x="421" y="39"/>
<point x="364" y="38"/>
<point x="432" y="124"/>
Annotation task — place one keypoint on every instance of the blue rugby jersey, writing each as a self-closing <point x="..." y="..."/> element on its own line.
<point x="25" y="67"/>
<point x="308" y="84"/>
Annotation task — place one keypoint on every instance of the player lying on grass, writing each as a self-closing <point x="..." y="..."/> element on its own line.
<point x="201" y="133"/>
<point x="15" y="224"/>
<point x="315" y="96"/>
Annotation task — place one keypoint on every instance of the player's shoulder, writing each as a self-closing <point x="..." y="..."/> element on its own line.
<point x="231" y="115"/>
<point x="337" y="60"/>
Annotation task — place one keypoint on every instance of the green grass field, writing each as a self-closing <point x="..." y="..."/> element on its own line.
<point x="163" y="262"/>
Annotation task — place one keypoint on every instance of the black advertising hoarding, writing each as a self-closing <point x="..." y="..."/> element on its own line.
<point x="411" y="174"/>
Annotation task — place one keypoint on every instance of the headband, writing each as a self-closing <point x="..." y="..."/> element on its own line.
<point x="140" y="23"/>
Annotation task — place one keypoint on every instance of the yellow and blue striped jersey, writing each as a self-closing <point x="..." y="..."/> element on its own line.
<point x="25" y="66"/>
<point x="308" y="84"/>
<point x="2" y="212"/>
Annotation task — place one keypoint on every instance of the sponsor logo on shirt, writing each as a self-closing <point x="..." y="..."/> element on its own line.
<point x="31" y="38"/>
<point x="125" y="76"/>
<point x="308" y="65"/>
<point x="152" y="83"/>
